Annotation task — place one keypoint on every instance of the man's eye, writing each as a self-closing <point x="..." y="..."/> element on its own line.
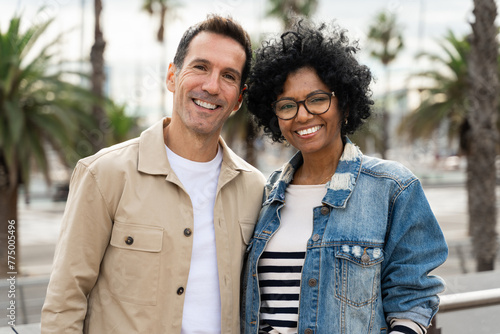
<point x="199" y="67"/>
<point x="230" y="77"/>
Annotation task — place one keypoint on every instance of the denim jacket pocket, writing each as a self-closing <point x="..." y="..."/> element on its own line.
<point x="357" y="274"/>
<point x="132" y="262"/>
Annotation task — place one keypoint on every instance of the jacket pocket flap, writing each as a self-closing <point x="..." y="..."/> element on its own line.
<point x="363" y="256"/>
<point x="247" y="228"/>
<point x="137" y="237"/>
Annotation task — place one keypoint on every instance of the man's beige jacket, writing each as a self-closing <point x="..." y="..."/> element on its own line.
<point x="122" y="261"/>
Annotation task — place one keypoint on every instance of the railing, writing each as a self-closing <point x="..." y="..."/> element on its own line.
<point x="466" y="300"/>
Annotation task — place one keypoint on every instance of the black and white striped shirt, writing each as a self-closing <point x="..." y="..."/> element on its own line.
<point x="280" y="265"/>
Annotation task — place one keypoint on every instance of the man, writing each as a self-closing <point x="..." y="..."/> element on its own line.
<point x="155" y="228"/>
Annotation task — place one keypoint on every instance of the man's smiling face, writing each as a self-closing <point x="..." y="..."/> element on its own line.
<point x="207" y="87"/>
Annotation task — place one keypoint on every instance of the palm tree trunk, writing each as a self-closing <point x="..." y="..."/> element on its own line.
<point x="482" y="115"/>
<point x="250" y="155"/>
<point x="97" y="60"/>
<point x="8" y="216"/>
<point x="385" y="114"/>
<point x="163" y="64"/>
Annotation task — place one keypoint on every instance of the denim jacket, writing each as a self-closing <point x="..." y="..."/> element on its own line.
<point x="373" y="244"/>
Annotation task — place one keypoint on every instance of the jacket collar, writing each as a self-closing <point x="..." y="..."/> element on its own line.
<point x="340" y="186"/>
<point x="153" y="155"/>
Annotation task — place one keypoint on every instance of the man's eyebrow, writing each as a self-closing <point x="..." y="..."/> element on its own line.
<point x="207" y="62"/>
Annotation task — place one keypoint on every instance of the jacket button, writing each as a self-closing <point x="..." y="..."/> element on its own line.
<point x="180" y="291"/>
<point x="129" y="240"/>
<point x="325" y="210"/>
<point x="315" y="237"/>
<point x="312" y="282"/>
<point x="365" y="258"/>
<point x="308" y="331"/>
<point x="187" y="232"/>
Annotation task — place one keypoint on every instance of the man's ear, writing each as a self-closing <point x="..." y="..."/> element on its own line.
<point x="171" y="77"/>
<point x="240" y="98"/>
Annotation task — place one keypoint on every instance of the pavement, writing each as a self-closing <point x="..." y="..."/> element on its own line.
<point x="39" y="224"/>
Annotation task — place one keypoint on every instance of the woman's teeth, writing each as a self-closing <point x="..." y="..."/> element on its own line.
<point x="308" y="131"/>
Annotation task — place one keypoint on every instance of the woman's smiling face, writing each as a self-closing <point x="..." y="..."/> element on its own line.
<point x="311" y="134"/>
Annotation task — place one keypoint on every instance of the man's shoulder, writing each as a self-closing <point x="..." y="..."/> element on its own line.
<point x="113" y="156"/>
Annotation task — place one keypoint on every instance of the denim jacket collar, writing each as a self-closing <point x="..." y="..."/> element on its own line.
<point x="340" y="186"/>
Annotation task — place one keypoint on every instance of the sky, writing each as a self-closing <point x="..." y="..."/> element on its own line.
<point x="133" y="57"/>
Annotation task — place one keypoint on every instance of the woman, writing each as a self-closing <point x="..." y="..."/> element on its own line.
<point x="344" y="242"/>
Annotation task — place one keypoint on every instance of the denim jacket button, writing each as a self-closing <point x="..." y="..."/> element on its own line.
<point x="365" y="258"/>
<point x="325" y="210"/>
<point x="315" y="237"/>
<point x="308" y="331"/>
<point x="312" y="282"/>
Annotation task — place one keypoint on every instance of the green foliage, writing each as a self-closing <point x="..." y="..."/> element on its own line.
<point x="385" y="37"/>
<point x="286" y="10"/>
<point x="123" y="127"/>
<point x="385" y="41"/>
<point x="37" y="107"/>
<point x="444" y="98"/>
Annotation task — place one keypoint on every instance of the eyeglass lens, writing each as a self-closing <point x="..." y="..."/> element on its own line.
<point x="315" y="104"/>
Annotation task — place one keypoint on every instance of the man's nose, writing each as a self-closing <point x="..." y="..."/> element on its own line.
<point x="211" y="84"/>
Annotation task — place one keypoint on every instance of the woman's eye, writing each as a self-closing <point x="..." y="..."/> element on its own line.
<point x="317" y="100"/>
<point x="287" y="106"/>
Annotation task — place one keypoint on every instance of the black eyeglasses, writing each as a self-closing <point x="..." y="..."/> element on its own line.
<point x="315" y="104"/>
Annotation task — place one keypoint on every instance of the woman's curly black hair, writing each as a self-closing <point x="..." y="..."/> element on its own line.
<point x="326" y="49"/>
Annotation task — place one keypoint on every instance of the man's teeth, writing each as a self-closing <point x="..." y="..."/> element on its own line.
<point x="205" y="104"/>
<point x="309" y="131"/>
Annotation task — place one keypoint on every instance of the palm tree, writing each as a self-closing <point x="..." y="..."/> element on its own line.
<point x="98" y="76"/>
<point x="286" y="10"/>
<point x="37" y="110"/>
<point x="482" y="93"/>
<point x="444" y="101"/>
<point x="385" y="40"/>
<point x="160" y="8"/>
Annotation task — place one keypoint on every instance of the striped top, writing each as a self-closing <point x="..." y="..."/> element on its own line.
<point x="280" y="265"/>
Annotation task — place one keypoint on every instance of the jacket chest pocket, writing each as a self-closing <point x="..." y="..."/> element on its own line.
<point x="357" y="274"/>
<point x="132" y="263"/>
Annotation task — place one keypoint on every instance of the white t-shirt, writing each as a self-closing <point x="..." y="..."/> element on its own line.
<point x="202" y="309"/>
<point x="280" y="265"/>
